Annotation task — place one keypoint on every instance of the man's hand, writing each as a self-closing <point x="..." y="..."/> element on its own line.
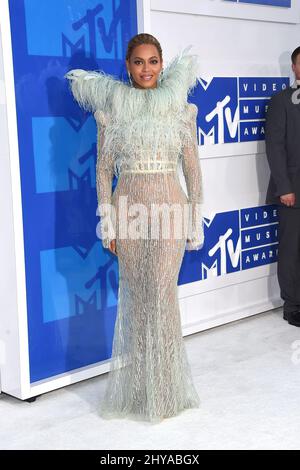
<point x="112" y="247"/>
<point x="288" y="199"/>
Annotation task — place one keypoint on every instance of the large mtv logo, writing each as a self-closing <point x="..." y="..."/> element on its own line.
<point x="77" y="281"/>
<point x="233" y="109"/>
<point x="68" y="149"/>
<point x="237" y="240"/>
<point x="273" y="3"/>
<point x="99" y="28"/>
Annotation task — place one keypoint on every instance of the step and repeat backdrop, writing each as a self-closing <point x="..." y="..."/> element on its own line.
<point x="244" y="49"/>
<point x="71" y="282"/>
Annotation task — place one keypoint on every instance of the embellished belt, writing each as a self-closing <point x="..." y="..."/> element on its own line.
<point x="154" y="166"/>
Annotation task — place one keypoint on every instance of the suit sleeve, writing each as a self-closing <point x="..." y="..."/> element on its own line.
<point x="193" y="177"/>
<point x="276" y="145"/>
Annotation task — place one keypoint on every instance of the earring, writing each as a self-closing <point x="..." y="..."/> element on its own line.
<point x="161" y="76"/>
<point x="129" y="76"/>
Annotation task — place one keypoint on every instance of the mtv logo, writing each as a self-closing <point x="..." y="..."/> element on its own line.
<point x="222" y="250"/>
<point x="233" y="109"/>
<point x="235" y="241"/>
<point x="95" y="28"/>
<point x="218" y="118"/>
<point x="75" y="283"/>
<point x="69" y="152"/>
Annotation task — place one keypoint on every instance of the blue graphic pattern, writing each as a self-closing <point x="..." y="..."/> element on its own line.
<point x="71" y="282"/>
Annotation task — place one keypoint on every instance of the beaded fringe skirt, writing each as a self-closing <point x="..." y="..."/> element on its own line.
<point x="150" y="377"/>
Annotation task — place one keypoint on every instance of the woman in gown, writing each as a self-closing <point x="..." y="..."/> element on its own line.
<point x="145" y="129"/>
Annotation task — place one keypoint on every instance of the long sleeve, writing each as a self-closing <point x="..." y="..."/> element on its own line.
<point x="91" y="89"/>
<point x="193" y="177"/>
<point x="104" y="177"/>
<point x="275" y="145"/>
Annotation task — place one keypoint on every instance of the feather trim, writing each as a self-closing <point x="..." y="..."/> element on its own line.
<point x="140" y="123"/>
<point x="98" y="90"/>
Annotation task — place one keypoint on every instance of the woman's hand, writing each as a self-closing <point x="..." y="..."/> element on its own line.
<point x="194" y="244"/>
<point x="112" y="247"/>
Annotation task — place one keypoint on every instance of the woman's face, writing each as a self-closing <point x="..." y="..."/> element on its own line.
<point x="144" y="66"/>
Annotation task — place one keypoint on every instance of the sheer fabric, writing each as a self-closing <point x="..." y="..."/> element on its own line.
<point x="150" y="376"/>
<point x="144" y="135"/>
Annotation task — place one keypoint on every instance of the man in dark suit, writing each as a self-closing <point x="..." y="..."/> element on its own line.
<point x="283" y="153"/>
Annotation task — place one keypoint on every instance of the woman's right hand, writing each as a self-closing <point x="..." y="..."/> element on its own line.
<point x="112" y="247"/>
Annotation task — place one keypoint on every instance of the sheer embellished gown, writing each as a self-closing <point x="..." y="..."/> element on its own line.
<point x="144" y="135"/>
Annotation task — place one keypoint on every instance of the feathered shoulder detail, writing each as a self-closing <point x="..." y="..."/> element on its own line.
<point x="97" y="90"/>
